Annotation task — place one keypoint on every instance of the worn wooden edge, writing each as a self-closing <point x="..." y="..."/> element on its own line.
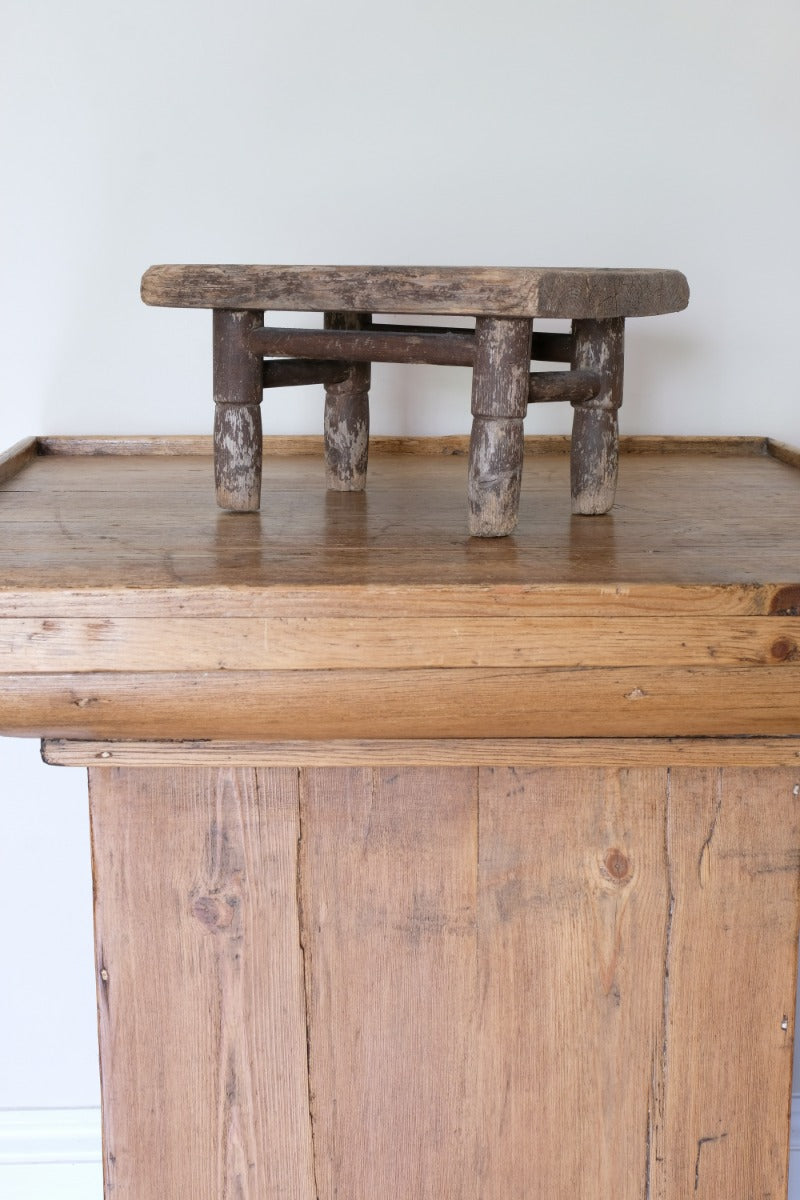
<point x="423" y="290"/>
<point x="127" y="446"/>
<point x="455" y="752"/>
<point x="620" y="599"/>
<point x="145" y="644"/>
<point x="282" y="446"/>
<point x="18" y="456"/>
<point x="783" y="452"/>
<point x="261" y="706"/>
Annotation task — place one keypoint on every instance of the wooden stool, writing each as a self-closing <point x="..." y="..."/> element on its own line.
<point x="504" y="303"/>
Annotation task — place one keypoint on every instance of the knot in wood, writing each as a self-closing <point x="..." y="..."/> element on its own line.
<point x="617" y="865"/>
<point x="784" y="649"/>
<point x="215" y="912"/>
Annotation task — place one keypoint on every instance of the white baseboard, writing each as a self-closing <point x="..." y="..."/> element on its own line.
<point x="49" y="1135"/>
<point x="50" y="1154"/>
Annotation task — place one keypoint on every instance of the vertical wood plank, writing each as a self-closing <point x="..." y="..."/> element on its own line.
<point x="723" y="1127"/>
<point x="572" y="931"/>
<point x="388" y="863"/>
<point x="200" y="988"/>
<point x="556" y="982"/>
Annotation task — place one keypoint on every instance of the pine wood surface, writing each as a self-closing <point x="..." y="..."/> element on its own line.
<point x="449" y="703"/>
<point x="436" y="752"/>
<point x="137" y="644"/>
<point x="569" y="981"/>
<point x="16" y="457"/>
<point x="282" y="445"/>
<point x="200" y="985"/>
<point x="723" y="522"/>
<point x="127" y="597"/>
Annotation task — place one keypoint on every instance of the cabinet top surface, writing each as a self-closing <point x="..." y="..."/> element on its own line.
<point x="87" y="525"/>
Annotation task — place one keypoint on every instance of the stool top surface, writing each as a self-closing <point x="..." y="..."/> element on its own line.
<point x="570" y="292"/>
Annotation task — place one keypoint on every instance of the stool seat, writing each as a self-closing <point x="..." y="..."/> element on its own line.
<point x="570" y="292"/>
<point x="504" y="301"/>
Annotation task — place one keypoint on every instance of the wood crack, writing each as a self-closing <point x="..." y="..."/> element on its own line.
<point x="704" y="857"/>
<point x="305" y="969"/>
<point x="647" y="1145"/>
<point x="656" y="1115"/>
<point x="704" y="1141"/>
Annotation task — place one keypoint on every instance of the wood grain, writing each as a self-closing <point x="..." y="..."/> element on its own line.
<point x="599" y="347"/>
<point x="382" y="973"/>
<point x="625" y="970"/>
<point x="76" y="525"/>
<point x="499" y="291"/>
<point x="16" y="457"/>
<point x="723" y="1070"/>
<point x="631" y="600"/>
<point x="440" y="752"/>
<point x="238" y="384"/>
<point x="366" y="345"/>
<point x="545" y="347"/>
<point x="335" y="643"/>
<point x="347" y="416"/>
<point x="300" y="372"/>
<point x="389" y="897"/>
<point x="783" y="452"/>
<point x="547" y="387"/>
<point x="345" y="594"/>
<point x="572" y="919"/>
<point x="500" y="393"/>
<point x="534" y="702"/>
<point x="200" y="985"/>
<point x="297" y="444"/>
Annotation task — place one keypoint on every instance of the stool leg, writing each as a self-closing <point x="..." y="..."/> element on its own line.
<point x="597" y="346"/>
<point x="499" y="403"/>
<point x="347" y="417"/>
<point x="237" y="416"/>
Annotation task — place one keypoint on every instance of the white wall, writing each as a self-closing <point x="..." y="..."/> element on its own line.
<point x="443" y="131"/>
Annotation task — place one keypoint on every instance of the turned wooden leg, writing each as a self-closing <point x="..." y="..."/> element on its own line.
<point x="347" y="416"/>
<point x="499" y="403"/>
<point x="237" y="417"/>
<point x="598" y="346"/>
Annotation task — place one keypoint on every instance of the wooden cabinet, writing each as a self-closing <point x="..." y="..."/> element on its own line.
<point x="424" y="865"/>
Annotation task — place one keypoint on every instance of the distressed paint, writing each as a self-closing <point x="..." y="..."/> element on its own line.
<point x="599" y="347"/>
<point x="500" y="389"/>
<point x="347" y="416"/>
<point x="237" y="418"/>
